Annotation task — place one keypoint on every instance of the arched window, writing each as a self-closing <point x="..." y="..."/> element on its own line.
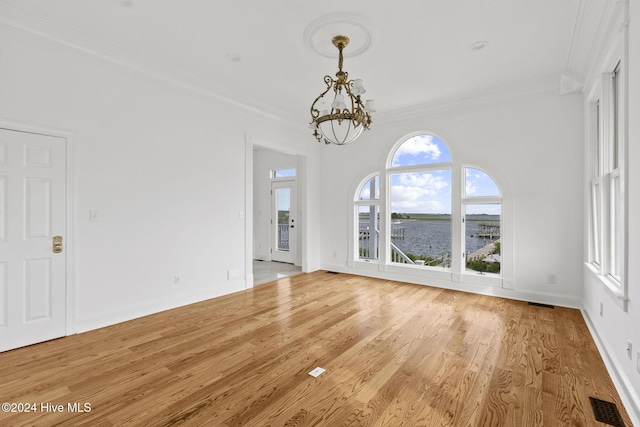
<point x="420" y="201"/>
<point x="440" y="216"/>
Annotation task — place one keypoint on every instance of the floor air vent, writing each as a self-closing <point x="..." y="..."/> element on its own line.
<point x="332" y="272"/>
<point x="606" y="412"/>
<point x="539" y="304"/>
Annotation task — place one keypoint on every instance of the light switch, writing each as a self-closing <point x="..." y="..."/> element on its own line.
<point x="94" y="215"/>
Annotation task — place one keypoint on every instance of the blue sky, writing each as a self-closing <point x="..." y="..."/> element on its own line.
<point x="430" y="191"/>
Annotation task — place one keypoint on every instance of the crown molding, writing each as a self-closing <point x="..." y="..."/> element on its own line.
<point x="576" y="28"/>
<point x="611" y="22"/>
<point x="471" y="101"/>
<point x="18" y="24"/>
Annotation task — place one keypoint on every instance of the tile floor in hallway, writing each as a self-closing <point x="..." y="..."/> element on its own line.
<point x="267" y="271"/>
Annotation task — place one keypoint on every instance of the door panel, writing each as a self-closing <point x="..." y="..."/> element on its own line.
<point x="32" y="211"/>
<point x="283" y="220"/>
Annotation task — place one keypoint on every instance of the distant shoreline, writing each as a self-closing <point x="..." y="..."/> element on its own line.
<point x="442" y="217"/>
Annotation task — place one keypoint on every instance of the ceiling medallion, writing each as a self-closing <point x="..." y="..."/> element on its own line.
<point x="362" y="35"/>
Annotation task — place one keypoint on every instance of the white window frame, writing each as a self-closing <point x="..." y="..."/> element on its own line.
<point x="479" y="200"/>
<point x="371" y="201"/>
<point x="274" y="170"/>
<point x="353" y="255"/>
<point x="457" y="272"/>
<point x="607" y="122"/>
<point x="435" y="272"/>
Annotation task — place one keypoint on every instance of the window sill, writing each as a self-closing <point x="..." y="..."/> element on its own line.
<point x="486" y="279"/>
<point x="611" y="288"/>
<point x="366" y="264"/>
<point x="420" y="270"/>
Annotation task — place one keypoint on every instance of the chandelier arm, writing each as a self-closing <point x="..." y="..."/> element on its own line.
<point x="315" y="113"/>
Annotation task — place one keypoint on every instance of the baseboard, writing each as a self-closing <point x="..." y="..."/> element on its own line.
<point x="124" y="314"/>
<point x="514" y="294"/>
<point x="621" y="382"/>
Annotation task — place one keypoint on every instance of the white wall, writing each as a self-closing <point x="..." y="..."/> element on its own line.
<point x="615" y="327"/>
<point x="534" y="143"/>
<point x="165" y="166"/>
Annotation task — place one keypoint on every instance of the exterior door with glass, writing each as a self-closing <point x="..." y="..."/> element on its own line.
<point x="283" y="221"/>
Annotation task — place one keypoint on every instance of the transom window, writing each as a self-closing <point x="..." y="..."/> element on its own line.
<point x="283" y="173"/>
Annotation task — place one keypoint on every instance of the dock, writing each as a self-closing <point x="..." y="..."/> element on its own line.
<point x="483" y="252"/>
<point x="488" y="230"/>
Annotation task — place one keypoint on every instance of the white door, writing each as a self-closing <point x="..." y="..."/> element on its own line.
<point x="32" y="212"/>
<point x="283" y="220"/>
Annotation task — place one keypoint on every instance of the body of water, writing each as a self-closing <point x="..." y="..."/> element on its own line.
<point x="433" y="238"/>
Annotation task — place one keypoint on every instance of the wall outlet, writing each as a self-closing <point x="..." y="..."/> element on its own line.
<point x="176" y="280"/>
<point x="552" y="279"/>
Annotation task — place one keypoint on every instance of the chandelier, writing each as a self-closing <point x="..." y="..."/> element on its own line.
<point x="346" y="119"/>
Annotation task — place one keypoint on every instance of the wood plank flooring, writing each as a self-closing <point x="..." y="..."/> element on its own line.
<point x="396" y="355"/>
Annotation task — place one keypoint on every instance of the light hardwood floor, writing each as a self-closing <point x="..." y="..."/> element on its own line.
<point x="394" y="354"/>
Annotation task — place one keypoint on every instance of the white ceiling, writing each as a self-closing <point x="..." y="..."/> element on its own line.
<point x="420" y="54"/>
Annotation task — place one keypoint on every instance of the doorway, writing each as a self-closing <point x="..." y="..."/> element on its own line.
<point x="270" y="163"/>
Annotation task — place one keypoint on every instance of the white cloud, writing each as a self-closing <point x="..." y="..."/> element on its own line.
<point x="421" y="144"/>
<point x="427" y="183"/>
<point x="405" y="193"/>
<point x="469" y="189"/>
<point x="420" y="192"/>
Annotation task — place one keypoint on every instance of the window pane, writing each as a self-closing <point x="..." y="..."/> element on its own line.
<point x="595" y="223"/>
<point x="371" y="189"/>
<point x="420" y="150"/>
<point x="596" y="151"/>
<point x="478" y="184"/>
<point x="616" y="116"/>
<point x="282" y="173"/>
<point x="283" y="207"/>
<point x="421" y="218"/>
<point x="616" y="237"/>
<point x="482" y="238"/>
<point x="368" y="232"/>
